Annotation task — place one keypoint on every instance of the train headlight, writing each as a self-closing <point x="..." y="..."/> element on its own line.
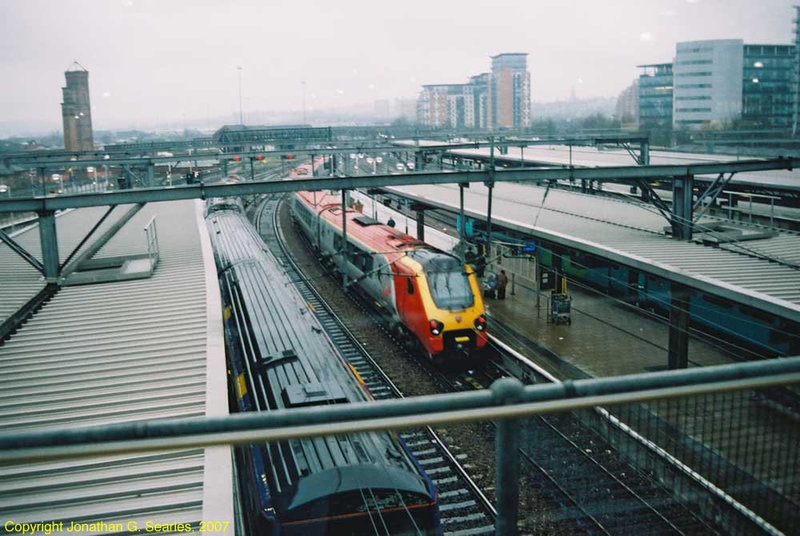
<point x="480" y="323"/>
<point x="436" y="327"/>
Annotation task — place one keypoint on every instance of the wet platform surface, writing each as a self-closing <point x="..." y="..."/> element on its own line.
<point x="606" y="337"/>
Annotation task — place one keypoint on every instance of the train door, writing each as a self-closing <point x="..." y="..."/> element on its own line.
<point x="409" y="303"/>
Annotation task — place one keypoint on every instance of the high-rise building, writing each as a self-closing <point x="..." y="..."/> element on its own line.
<point x="433" y="105"/>
<point x="655" y="96"/>
<point x="767" y="86"/>
<point x="479" y="86"/>
<point x="708" y="82"/>
<point x="627" y="108"/>
<point x="76" y="111"/>
<point x="509" y="99"/>
<point x="796" y="77"/>
<point x="454" y="105"/>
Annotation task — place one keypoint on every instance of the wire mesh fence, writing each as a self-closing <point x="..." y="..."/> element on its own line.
<point x="723" y="463"/>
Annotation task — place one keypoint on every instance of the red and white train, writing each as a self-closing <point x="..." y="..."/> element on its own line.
<point x="429" y="297"/>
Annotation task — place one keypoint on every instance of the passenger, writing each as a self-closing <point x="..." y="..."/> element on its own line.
<point x="502" y="282"/>
<point x="490" y="286"/>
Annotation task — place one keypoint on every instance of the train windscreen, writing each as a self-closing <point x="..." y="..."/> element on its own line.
<point x="449" y="283"/>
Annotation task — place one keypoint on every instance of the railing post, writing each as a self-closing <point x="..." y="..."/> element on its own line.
<point x="507" y="443"/>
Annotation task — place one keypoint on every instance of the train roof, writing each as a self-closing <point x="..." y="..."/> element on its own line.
<point x="374" y="235"/>
<point x="292" y="363"/>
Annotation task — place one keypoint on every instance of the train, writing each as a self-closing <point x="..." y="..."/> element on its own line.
<point x="279" y="357"/>
<point x="748" y="330"/>
<point x="429" y="299"/>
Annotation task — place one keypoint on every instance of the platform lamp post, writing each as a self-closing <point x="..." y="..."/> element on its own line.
<point x="303" y="83"/>
<point x="241" y="114"/>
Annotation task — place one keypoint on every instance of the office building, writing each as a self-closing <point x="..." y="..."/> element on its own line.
<point x="76" y="111"/>
<point x="479" y="87"/>
<point x="708" y="83"/>
<point x="767" y="86"/>
<point x="796" y="75"/>
<point x="509" y="97"/>
<point x="655" y="96"/>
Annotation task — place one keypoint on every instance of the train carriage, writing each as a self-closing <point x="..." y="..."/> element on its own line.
<point x="280" y="358"/>
<point x="428" y="296"/>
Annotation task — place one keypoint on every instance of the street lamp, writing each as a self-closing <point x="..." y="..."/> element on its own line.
<point x="304" y="101"/>
<point x="241" y="115"/>
<point x="93" y="171"/>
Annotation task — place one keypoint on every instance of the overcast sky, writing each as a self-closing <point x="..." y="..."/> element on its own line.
<point x="155" y="61"/>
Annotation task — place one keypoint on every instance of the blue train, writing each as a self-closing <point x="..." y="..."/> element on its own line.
<point x="280" y="358"/>
<point x="739" y="325"/>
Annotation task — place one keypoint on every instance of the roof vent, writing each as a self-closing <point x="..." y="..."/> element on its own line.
<point x="366" y="221"/>
<point x="313" y="394"/>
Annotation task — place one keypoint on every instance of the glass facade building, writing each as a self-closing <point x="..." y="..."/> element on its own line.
<point x="767" y="85"/>
<point x="655" y="96"/>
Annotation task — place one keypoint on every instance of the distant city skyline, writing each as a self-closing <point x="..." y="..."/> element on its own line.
<point x="176" y="62"/>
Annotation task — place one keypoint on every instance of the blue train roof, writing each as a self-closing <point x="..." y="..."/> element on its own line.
<point x="289" y="362"/>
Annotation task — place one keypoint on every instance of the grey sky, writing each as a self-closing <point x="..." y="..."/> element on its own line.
<point x="163" y="60"/>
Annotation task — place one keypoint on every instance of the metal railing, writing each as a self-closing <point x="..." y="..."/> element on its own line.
<point x="151" y="236"/>
<point x="702" y="420"/>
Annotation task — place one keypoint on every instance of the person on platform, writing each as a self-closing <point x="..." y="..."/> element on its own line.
<point x="502" y="283"/>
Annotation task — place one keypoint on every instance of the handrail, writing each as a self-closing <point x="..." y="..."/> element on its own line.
<point x="501" y="401"/>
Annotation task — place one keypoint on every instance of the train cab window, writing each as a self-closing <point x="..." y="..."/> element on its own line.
<point x="447" y="280"/>
<point x="409" y="286"/>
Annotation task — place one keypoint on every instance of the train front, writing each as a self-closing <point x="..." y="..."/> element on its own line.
<point x="455" y="326"/>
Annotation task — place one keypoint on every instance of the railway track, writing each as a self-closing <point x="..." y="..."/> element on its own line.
<point x="588" y="487"/>
<point x="464" y="508"/>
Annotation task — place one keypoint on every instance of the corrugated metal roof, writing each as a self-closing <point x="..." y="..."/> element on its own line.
<point x="560" y="155"/>
<point x="120" y="352"/>
<point x="19" y="281"/>
<point x="633" y="235"/>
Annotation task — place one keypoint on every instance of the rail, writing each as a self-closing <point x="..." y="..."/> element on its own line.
<point x="507" y="400"/>
<point x="151" y="236"/>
